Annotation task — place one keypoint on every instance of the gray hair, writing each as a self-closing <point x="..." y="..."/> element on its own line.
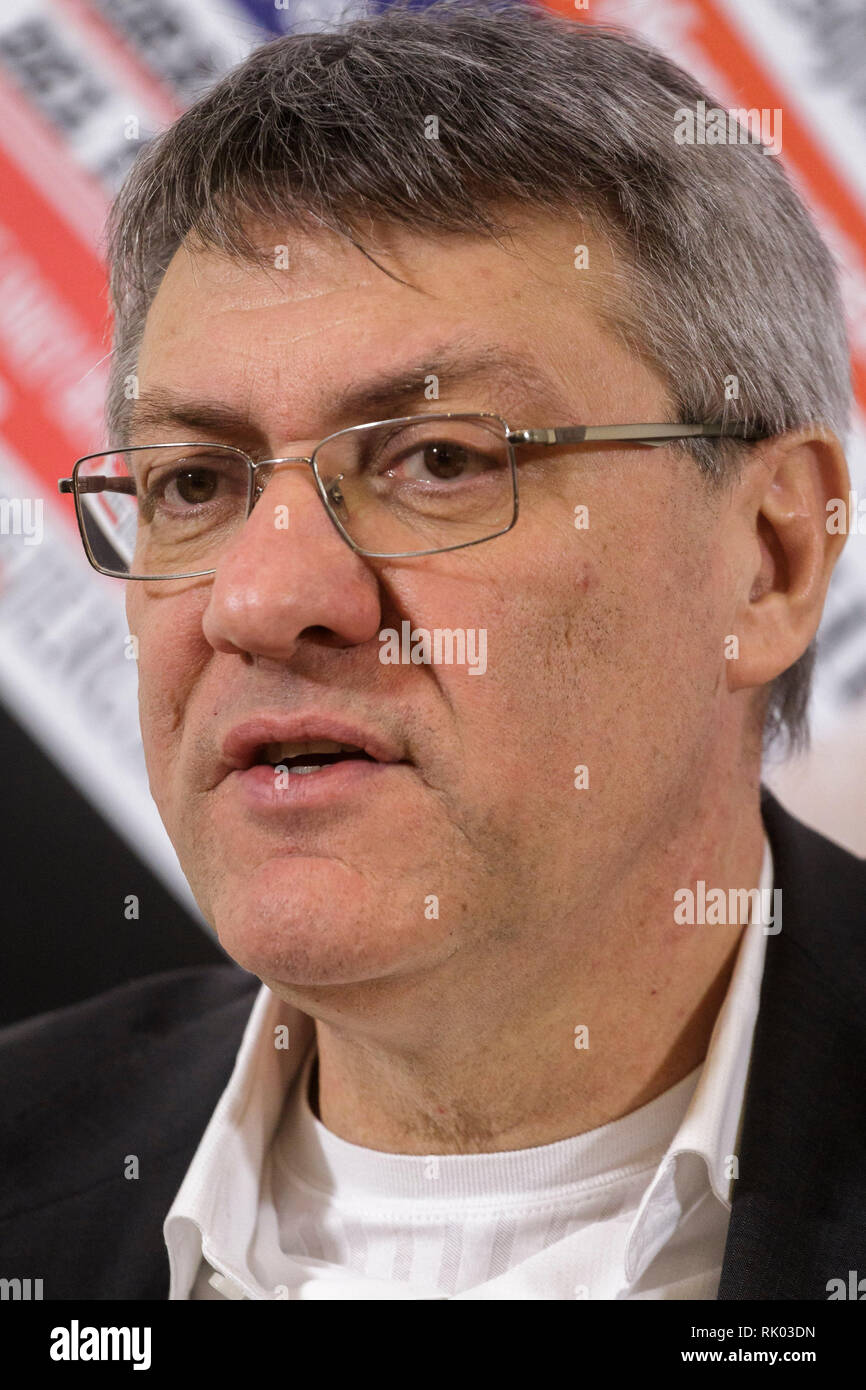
<point x="724" y="274"/>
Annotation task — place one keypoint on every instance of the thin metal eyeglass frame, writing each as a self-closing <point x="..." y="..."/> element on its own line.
<point x="652" y="435"/>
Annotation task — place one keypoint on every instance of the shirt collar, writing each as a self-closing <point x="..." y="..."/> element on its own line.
<point x="711" y="1126"/>
<point x="229" y="1159"/>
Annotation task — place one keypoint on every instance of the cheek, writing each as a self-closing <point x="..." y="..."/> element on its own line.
<point x="171" y="654"/>
<point x="518" y="721"/>
<point x="600" y="631"/>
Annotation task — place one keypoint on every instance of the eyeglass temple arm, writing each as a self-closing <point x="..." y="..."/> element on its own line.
<point x="654" y="435"/>
<point x="98" y="483"/>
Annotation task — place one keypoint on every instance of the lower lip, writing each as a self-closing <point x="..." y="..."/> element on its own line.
<point x="259" y="786"/>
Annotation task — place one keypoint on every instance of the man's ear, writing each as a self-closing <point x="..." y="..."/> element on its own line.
<point x="784" y="551"/>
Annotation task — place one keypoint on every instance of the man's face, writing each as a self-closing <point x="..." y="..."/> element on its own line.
<point x="469" y="841"/>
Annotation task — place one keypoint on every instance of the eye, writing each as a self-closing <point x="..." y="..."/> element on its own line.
<point x="192" y="486"/>
<point x="440" y="460"/>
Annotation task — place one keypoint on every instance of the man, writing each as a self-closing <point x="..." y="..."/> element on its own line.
<point x="553" y="1005"/>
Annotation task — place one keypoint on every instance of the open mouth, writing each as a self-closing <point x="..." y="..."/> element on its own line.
<point x="305" y="758"/>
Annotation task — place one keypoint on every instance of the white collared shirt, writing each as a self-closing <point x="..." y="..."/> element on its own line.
<point x="274" y="1205"/>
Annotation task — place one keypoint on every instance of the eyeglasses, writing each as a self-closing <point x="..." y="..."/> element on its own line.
<point x="418" y="485"/>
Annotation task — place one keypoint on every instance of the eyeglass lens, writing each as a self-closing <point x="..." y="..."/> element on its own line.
<point x="409" y="486"/>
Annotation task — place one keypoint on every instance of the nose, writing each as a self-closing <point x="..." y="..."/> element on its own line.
<point x="288" y="574"/>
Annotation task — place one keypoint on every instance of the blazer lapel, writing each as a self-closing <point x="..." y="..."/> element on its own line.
<point x="798" y="1216"/>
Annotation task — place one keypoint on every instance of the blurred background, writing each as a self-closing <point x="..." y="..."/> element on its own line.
<point x="92" y="894"/>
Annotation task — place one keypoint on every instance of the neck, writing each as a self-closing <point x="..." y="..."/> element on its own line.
<point x="506" y="1046"/>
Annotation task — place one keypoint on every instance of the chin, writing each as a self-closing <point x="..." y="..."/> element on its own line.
<point x="306" y="922"/>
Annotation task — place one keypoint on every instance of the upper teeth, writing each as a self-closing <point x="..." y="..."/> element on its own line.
<point x="282" y="752"/>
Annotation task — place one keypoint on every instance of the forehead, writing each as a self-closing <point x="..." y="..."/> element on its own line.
<point x="314" y="314"/>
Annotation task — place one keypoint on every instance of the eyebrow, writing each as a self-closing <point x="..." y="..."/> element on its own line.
<point x="386" y="394"/>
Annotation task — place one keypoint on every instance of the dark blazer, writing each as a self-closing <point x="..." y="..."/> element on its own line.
<point x="139" y="1071"/>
